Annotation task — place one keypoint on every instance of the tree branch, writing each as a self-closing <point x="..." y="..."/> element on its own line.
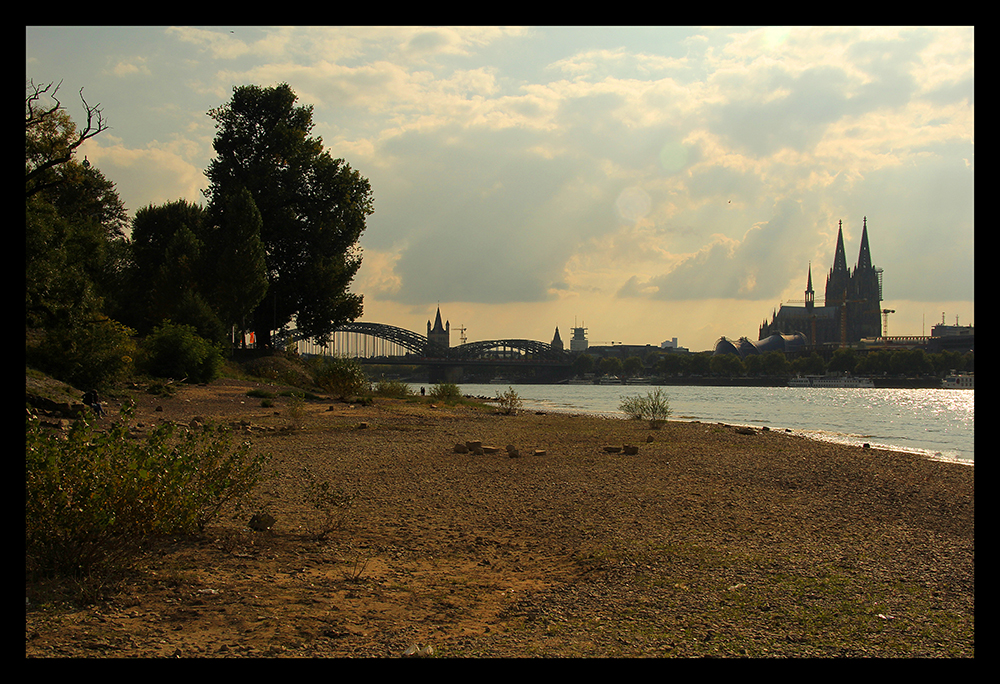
<point x="34" y="116"/>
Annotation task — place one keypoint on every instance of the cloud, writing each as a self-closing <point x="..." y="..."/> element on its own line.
<point x="613" y="169"/>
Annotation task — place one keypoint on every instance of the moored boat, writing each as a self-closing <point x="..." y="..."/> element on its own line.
<point x="829" y="381"/>
<point x="959" y="381"/>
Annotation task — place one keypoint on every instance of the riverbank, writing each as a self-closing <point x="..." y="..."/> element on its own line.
<point x="710" y="541"/>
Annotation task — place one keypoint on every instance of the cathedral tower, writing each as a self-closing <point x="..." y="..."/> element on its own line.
<point x="838" y="282"/>
<point x="439" y="334"/>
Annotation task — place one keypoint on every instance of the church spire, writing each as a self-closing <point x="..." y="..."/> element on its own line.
<point x="810" y="295"/>
<point x="838" y="280"/>
<point x="839" y="257"/>
<point x="864" y="256"/>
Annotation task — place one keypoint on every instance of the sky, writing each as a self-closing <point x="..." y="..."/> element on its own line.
<point x="646" y="183"/>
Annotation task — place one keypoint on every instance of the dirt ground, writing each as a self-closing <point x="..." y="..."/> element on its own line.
<point x="708" y="542"/>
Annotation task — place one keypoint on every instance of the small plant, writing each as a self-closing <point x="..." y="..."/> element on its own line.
<point x="357" y="569"/>
<point x="330" y="501"/>
<point x="508" y="402"/>
<point x="392" y="388"/>
<point x="296" y="411"/>
<point x="446" y="391"/>
<point x="653" y="407"/>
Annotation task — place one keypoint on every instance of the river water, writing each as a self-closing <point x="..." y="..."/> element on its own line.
<point x="937" y="423"/>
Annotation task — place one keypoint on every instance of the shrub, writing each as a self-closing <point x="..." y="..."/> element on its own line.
<point x="96" y="354"/>
<point x="176" y="351"/>
<point x="509" y="402"/>
<point x="330" y="501"/>
<point x="392" y="388"/>
<point x="653" y="407"/>
<point x="93" y="499"/>
<point x="341" y="376"/>
<point x="446" y="391"/>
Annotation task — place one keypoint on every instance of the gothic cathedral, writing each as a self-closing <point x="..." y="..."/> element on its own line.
<point x="852" y="305"/>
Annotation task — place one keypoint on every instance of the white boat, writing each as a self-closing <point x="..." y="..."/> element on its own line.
<point x="959" y="381"/>
<point x="610" y="380"/>
<point x="638" y="381"/>
<point x="829" y="381"/>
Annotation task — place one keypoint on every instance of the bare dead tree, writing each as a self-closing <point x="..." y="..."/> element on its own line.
<point x="36" y="114"/>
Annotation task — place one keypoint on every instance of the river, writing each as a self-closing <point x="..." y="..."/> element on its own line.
<point x="937" y="423"/>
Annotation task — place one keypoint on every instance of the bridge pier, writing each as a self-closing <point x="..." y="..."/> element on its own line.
<point x="453" y="374"/>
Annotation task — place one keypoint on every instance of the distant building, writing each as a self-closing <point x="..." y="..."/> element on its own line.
<point x="557" y="343"/>
<point x="671" y="345"/>
<point x="440" y="334"/>
<point x="578" y="343"/>
<point x="852" y="305"/>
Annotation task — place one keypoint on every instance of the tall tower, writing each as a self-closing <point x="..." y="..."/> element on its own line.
<point x="865" y="308"/>
<point x="557" y="343"/>
<point x="810" y="295"/>
<point x="439" y="334"/>
<point x="838" y="282"/>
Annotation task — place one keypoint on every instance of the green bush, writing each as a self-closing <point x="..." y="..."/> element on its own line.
<point x="176" y="351"/>
<point x="509" y="402"/>
<point x="96" y="354"/>
<point x="392" y="388"/>
<point x="653" y="407"/>
<point x="93" y="499"/>
<point x="446" y="391"/>
<point x="341" y="376"/>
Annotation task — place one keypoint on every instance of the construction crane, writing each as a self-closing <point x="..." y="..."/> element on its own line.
<point x="461" y="332"/>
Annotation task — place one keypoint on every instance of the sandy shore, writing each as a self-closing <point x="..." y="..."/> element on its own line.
<point x="707" y="542"/>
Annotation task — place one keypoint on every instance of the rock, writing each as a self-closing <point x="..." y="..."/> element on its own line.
<point x="630" y="449"/>
<point x="261" y="522"/>
<point x="539" y="452"/>
<point x="512" y="451"/>
<point x="490" y="449"/>
<point x="414" y="651"/>
<point x="612" y="449"/>
<point x="649" y="438"/>
<point x="743" y="430"/>
<point x="461" y="448"/>
<point x="472" y="446"/>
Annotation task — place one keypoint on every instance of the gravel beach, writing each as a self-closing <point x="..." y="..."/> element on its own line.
<point x="706" y="542"/>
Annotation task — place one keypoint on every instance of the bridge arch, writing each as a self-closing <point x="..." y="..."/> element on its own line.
<point x="477" y="350"/>
<point x="420" y="346"/>
<point x="412" y="342"/>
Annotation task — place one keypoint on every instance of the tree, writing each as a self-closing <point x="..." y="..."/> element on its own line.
<point x="174" y="272"/>
<point x="609" y="365"/>
<point x="583" y="364"/>
<point x="312" y="207"/>
<point x="241" y="269"/>
<point x="632" y="366"/>
<point x="51" y="137"/>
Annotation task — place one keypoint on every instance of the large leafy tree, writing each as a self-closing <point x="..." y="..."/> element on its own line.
<point x="240" y="265"/>
<point x="174" y="271"/>
<point x="312" y="207"/>
<point x="74" y="218"/>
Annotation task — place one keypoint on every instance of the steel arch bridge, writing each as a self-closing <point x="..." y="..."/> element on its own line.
<point x="532" y="348"/>
<point x="420" y="346"/>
